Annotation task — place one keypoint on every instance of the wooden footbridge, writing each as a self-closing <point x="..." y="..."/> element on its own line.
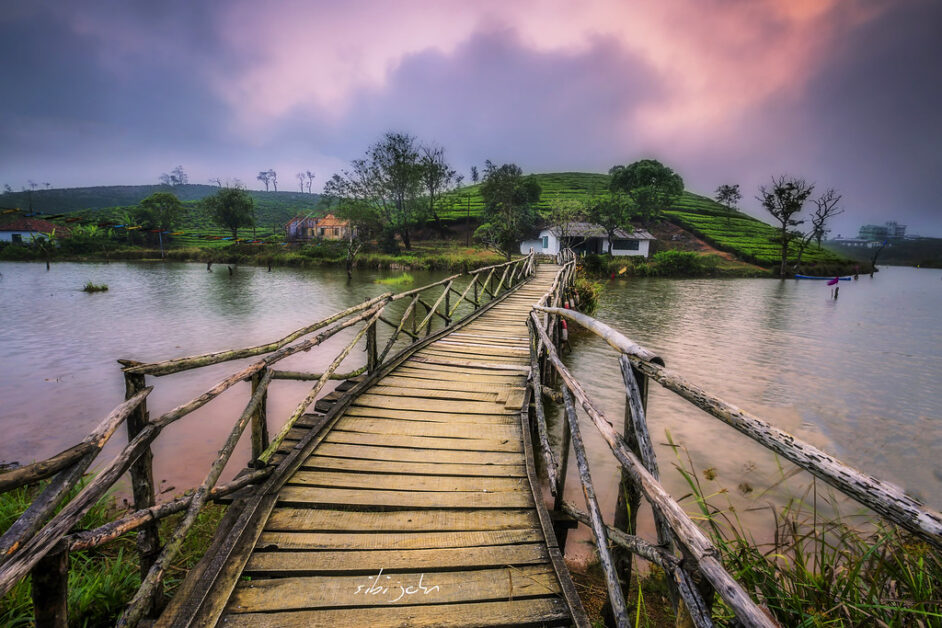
<point x="409" y="495"/>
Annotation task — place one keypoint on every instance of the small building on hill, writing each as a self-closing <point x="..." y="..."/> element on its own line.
<point x="587" y="237"/>
<point x="24" y="230"/>
<point x="301" y="228"/>
<point x="307" y="228"/>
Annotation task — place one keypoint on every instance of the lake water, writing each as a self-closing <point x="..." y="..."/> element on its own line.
<point x="858" y="376"/>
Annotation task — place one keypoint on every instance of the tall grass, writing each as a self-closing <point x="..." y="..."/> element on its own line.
<point x="821" y="570"/>
<point x="102" y="580"/>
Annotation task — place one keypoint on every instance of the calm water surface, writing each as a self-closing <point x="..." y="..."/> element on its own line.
<point x="858" y="376"/>
<point x="59" y="346"/>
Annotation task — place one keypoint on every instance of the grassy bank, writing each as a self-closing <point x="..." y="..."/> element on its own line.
<point x="101" y="580"/>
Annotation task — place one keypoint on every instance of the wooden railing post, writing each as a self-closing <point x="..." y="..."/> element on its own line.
<point x="259" y="421"/>
<point x="371" y="348"/>
<point x="50" y="589"/>
<point x="629" y="494"/>
<point x="448" y="305"/>
<point x="142" y="480"/>
<point x="476" y="300"/>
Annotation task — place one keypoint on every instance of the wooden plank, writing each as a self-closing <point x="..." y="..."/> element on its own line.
<point x="489" y="361"/>
<point x="489" y="366"/>
<point x="482" y="342"/>
<point x="311" y="592"/>
<point x="444" y="374"/>
<point x="432" y="417"/>
<point x="369" y="400"/>
<point x="381" y="466"/>
<point x="544" y="611"/>
<point x="440" y="384"/>
<point x="423" y="442"/>
<point x="477" y="350"/>
<point x="402" y="499"/>
<point x="288" y="518"/>
<point x="427" y="393"/>
<point x="428" y="428"/>
<point x="417" y="483"/>
<point x="394" y="540"/>
<point x="371" y="561"/>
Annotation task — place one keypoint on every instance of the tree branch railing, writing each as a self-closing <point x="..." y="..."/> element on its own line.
<point x="40" y="539"/>
<point x="698" y="571"/>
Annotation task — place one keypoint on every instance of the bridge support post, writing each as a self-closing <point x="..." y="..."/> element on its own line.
<point x="142" y="483"/>
<point x="50" y="590"/>
<point x="629" y="494"/>
<point x="371" y="348"/>
<point x="259" y="421"/>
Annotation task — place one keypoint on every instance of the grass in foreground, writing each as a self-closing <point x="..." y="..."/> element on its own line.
<point x="823" y="570"/>
<point x="104" y="579"/>
<point x="403" y="279"/>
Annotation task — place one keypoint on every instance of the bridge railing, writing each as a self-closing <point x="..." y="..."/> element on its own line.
<point x="39" y="542"/>
<point x="698" y="571"/>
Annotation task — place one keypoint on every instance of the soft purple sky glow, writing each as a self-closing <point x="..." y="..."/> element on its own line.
<point x="847" y="93"/>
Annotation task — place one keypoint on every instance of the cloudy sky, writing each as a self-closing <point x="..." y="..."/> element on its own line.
<point x="846" y="93"/>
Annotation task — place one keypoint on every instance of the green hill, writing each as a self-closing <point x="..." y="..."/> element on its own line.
<point x="747" y="238"/>
<point x="112" y="203"/>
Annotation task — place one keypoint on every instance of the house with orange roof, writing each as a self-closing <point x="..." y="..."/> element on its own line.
<point x="306" y="228"/>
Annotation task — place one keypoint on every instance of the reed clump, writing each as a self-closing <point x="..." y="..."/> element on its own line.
<point x="95" y="287"/>
<point x="822" y="570"/>
<point x="400" y="280"/>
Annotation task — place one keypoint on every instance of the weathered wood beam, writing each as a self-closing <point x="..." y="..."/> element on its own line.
<point x="409" y="293"/>
<point x="686" y="532"/>
<point x="434" y="310"/>
<point x="47" y="501"/>
<point x="42" y="469"/>
<point x="311" y="396"/>
<point x="461" y="296"/>
<point x="882" y="497"/>
<point x="50" y="590"/>
<point x="151" y="583"/>
<point x="615" y="596"/>
<point x="303" y="376"/>
<point x="400" y="328"/>
<point x="88" y="539"/>
<point x="543" y="434"/>
<point x="181" y="364"/>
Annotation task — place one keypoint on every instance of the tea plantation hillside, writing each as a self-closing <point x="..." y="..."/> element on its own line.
<point x="749" y="239"/>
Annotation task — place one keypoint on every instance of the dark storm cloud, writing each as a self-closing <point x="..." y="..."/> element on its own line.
<point x="90" y="84"/>
<point x="493" y="98"/>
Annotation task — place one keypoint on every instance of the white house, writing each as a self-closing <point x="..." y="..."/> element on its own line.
<point x="23" y="230"/>
<point x="586" y="237"/>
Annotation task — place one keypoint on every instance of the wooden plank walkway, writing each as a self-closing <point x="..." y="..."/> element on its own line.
<point x="417" y="508"/>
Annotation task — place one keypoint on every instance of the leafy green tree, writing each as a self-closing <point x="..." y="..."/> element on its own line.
<point x="728" y="195"/>
<point x="784" y="199"/>
<point x="651" y="186"/>
<point x="387" y="182"/>
<point x="509" y="213"/>
<point x="161" y="210"/>
<point x="563" y="214"/>
<point x="611" y="212"/>
<point x="231" y="208"/>
<point x="437" y="178"/>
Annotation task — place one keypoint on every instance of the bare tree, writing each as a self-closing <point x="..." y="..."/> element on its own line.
<point x="274" y="179"/>
<point x="437" y="177"/>
<point x="47" y="184"/>
<point x="826" y="208"/>
<point x="730" y="196"/>
<point x="164" y="178"/>
<point x="310" y="181"/>
<point x="784" y="200"/>
<point x="178" y="176"/>
<point x="264" y="178"/>
<point x="7" y="189"/>
<point x="475" y="176"/>
<point x="217" y="181"/>
<point x="300" y="177"/>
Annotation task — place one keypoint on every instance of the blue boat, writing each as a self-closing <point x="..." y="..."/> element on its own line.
<point x="828" y="278"/>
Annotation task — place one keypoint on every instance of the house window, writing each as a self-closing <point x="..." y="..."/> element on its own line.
<point x="17" y="237"/>
<point x="626" y="245"/>
<point x="321" y="232"/>
<point x="545" y="242"/>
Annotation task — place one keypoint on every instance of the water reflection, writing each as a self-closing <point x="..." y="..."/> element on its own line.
<point x="857" y="377"/>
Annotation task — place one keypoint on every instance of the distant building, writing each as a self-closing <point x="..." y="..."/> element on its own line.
<point x="306" y="228"/>
<point x="586" y="237"/>
<point x="886" y="231"/>
<point x="24" y="230"/>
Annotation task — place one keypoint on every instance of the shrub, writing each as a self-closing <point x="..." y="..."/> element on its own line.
<point x="683" y="264"/>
